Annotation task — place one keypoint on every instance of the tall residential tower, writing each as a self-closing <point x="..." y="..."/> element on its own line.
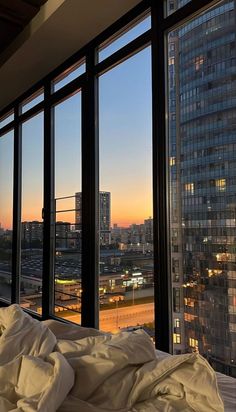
<point x="104" y="215"/>
<point x="202" y="148"/>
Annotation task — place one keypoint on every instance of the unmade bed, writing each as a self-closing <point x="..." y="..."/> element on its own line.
<point x="53" y="366"/>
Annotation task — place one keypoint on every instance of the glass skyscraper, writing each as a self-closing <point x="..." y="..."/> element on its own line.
<point x="104" y="215"/>
<point x="202" y="158"/>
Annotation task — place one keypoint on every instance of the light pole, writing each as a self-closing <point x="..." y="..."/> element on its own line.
<point x="115" y="299"/>
<point x="117" y="313"/>
<point x="134" y="287"/>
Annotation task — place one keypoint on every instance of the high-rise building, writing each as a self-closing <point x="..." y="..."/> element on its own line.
<point x="148" y="225"/>
<point x="104" y="215"/>
<point x="202" y="142"/>
<point x="78" y="211"/>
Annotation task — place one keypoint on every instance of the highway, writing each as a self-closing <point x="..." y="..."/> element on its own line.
<point x="112" y="320"/>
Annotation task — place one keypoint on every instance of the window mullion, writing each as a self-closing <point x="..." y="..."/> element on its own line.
<point x="16" y="236"/>
<point x="48" y="209"/>
<point x="90" y="181"/>
<point x="162" y="287"/>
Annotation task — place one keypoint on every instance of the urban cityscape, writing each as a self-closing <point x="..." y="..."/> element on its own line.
<point x="202" y="202"/>
<point x="126" y="268"/>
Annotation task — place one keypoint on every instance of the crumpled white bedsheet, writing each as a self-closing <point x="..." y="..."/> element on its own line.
<point x="33" y="377"/>
<point x="96" y="373"/>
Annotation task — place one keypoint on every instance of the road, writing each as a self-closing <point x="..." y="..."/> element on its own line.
<point x="112" y="320"/>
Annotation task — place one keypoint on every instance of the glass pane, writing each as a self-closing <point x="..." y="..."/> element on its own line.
<point x="9" y="117"/>
<point x="126" y="234"/>
<point x="68" y="75"/>
<point x="31" y="214"/>
<point x="202" y="142"/>
<point x="173" y="5"/>
<point x="32" y="101"/>
<point x="67" y="189"/>
<point x="6" y="196"/>
<point x="124" y="38"/>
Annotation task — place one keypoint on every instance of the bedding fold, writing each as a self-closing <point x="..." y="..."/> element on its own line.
<point x="121" y="373"/>
<point x="32" y="376"/>
<point x="99" y="373"/>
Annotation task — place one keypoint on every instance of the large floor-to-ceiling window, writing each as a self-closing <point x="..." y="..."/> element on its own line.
<point x="31" y="253"/>
<point x="6" y="188"/>
<point x="125" y="198"/>
<point x="68" y="202"/>
<point x="142" y="123"/>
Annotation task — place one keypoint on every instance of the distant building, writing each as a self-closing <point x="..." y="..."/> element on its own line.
<point x="104" y="214"/>
<point x="62" y="234"/>
<point x="148" y="225"/>
<point x="68" y="290"/>
<point x="32" y="233"/>
<point x="78" y="211"/>
<point x="135" y="237"/>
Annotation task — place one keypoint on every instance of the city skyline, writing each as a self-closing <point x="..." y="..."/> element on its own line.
<point x="112" y="226"/>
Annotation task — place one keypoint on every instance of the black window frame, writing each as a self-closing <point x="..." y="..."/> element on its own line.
<point x="88" y="83"/>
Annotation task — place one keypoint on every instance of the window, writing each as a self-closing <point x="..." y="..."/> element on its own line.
<point x="68" y="75"/>
<point x="176" y="299"/>
<point x="126" y="223"/>
<point x="198" y="62"/>
<point x="6" y="205"/>
<point x="189" y="187"/>
<point x="172" y="161"/>
<point x="193" y="343"/>
<point x="176" y="322"/>
<point x="32" y="101"/>
<point x="7" y="118"/>
<point x="173" y="5"/>
<point x="124" y="37"/>
<point x="176" y="338"/>
<point x="68" y="208"/>
<point x="221" y="184"/>
<point x="31" y="214"/>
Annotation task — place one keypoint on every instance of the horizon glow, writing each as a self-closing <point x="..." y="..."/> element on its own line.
<point x="125" y="149"/>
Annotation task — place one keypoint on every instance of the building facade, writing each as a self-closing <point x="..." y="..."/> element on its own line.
<point x="32" y="234"/>
<point x="104" y="215"/>
<point x="202" y="141"/>
<point x="63" y="231"/>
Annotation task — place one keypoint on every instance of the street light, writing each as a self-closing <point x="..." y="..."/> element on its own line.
<point x="115" y="299"/>
<point x="117" y="313"/>
<point x="134" y="287"/>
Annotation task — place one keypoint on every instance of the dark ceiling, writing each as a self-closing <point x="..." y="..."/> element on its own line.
<point x="14" y="16"/>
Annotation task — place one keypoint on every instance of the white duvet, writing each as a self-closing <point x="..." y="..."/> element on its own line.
<point x="96" y="373"/>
